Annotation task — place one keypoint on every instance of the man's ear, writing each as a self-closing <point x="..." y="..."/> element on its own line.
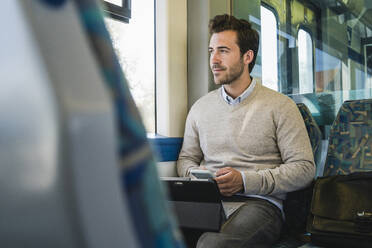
<point x="248" y="57"/>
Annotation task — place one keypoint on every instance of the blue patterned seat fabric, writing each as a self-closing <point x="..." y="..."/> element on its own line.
<point x="313" y="130"/>
<point x="350" y="142"/>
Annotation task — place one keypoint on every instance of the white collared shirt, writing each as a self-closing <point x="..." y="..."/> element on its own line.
<point x="240" y="98"/>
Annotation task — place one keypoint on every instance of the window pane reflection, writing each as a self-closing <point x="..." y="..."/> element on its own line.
<point x="305" y="62"/>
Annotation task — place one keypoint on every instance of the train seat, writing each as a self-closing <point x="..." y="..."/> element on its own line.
<point x="350" y="142"/>
<point x="76" y="168"/>
<point x="313" y="130"/>
<point x="349" y="148"/>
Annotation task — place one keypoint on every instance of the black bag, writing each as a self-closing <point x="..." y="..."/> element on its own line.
<point x="341" y="211"/>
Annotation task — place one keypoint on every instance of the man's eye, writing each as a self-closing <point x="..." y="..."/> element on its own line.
<point x="224" y="51"/>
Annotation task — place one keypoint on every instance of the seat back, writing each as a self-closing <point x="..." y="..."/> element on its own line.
<point x="59" y="171"/>
<point x="296" y="206"/>
<point x="66" y="114"/>
<point x="350" y="142"/>
<point x="313" y="130"/>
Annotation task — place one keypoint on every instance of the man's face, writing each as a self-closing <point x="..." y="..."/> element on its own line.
<point x="225" y="60"/>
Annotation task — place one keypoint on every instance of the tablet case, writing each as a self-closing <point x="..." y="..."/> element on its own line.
<point x="197" y="203"/>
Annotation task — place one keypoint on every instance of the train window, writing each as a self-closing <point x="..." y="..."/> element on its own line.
<point x="134" y="44"/>
<point x="305" y="62"/>
<point x="269" y="48"/>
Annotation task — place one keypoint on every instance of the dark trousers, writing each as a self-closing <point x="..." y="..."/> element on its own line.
<point x="257" y="223"/>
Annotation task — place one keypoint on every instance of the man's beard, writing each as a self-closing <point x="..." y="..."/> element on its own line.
<point x="236" y="72"/>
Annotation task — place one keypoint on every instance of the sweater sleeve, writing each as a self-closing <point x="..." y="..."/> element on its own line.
<point x="191" y="154"/>
<point x="298" y="167"/>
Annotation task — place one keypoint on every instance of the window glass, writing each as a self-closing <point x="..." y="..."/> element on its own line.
<point x="305" y="62"/>
<point x="324" y="53"/>
<point x="134" y="46"/>
<point x="269" y="49"/>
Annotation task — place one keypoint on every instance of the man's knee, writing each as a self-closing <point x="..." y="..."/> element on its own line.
<point x="218" y="240"/>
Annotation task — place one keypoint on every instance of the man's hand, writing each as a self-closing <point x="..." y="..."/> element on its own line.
<point x="229" y="181"/>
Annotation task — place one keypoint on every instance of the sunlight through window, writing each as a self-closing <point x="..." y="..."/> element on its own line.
<point x="305" y="62"/>
<point x="269" y="48"/>
<point x="134" y="45"/>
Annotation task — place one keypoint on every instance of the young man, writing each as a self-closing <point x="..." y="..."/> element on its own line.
<point x="252" y="137"/>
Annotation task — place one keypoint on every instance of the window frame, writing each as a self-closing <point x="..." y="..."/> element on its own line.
<point x="121" y="13"/>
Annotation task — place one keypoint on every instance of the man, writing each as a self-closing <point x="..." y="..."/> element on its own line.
<point x="252" y="137"/>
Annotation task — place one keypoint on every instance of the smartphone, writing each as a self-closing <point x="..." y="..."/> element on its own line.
<point x="202" y="174"/>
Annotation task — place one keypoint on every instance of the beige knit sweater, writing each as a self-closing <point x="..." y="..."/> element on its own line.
<point x="264" y="136"/>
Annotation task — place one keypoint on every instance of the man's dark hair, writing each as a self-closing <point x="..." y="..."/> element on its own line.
<point x="248" y="38"/>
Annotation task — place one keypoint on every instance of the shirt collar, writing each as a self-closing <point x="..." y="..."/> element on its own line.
<point x="239" y="99"/>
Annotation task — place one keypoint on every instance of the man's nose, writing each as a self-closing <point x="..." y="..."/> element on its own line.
<point x="215" y="58"/>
